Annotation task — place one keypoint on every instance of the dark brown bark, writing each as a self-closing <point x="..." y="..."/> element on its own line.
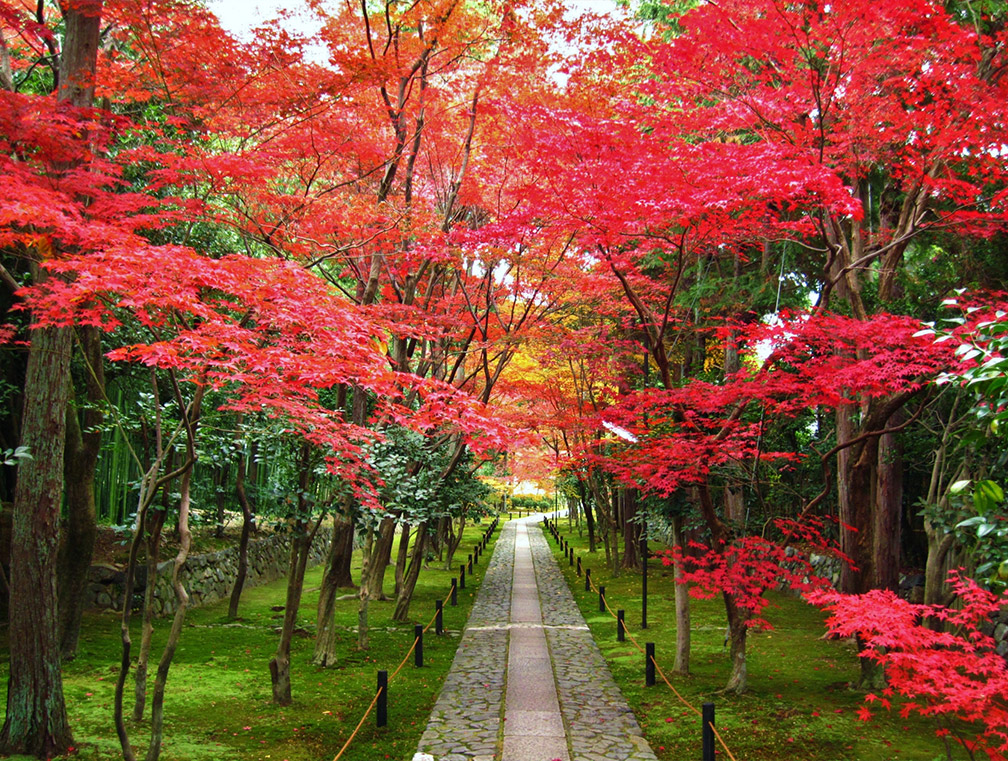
<point x="301" y="541"/>
<point x="279" y="666"/>
<point x="36" y="721"/>
<point x="248" y="522"/>
<point x="405" y="595"/>
<point x="82" y="446"/>
<point x="888" y="522"/>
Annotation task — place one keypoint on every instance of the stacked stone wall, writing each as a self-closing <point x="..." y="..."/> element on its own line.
<point x="208" y="578"/>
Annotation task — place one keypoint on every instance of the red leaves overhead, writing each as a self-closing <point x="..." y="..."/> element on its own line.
<point x="818" y="360"/>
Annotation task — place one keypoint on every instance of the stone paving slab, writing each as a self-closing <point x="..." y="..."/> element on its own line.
<point x="582" y="701"/>
<point x="465" y="724"/>
<point x="600" y="724"/>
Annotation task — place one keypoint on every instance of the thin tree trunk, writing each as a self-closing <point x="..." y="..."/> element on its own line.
<point x="175" y="633"/>
<point x="737" y="631"/>
<point x="280" y="664"/>
<point x="682" y="606"/>
<point x="402" y="556"/>
<point x="455" y="541"/>
<point x="339" y="550"/>
<point x="588" y="514"/>
<point x="154" y="524"/>
<point x="247" y="524"/>
<point x="381" y="558"/>
<point x="300" y="546"/>
<point x="402" y="604"/>
<point x="364" y="595"/>
<point x="631" y="530"/>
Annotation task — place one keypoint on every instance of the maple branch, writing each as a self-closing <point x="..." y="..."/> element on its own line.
<point x="7" y="279"/>
<point x="823" y="459"/>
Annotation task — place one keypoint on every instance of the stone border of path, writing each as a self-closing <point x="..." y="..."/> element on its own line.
<point x="468" y="720"/>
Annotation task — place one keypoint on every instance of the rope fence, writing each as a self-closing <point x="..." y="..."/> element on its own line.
<point x="708" y="722"/>
<point x="381" y="693"/>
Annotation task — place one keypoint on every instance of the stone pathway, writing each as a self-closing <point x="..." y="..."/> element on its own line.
<point x="528" y="682"/>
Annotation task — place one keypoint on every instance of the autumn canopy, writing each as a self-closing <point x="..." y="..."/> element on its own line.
<point x="423" y="247"/>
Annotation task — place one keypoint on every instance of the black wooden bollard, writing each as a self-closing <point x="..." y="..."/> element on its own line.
<point x="708" y="732"/>
<point x="470" y="565"/>
<point x="649" y="664"/>
<point x="571" y="555"/>
<point x="587" y="579"/>
<point x="418" y="650"/>
<point x="601" y="599"/>
<point x="381" y="709"/>
<point x="454" y="592"/>
<point x="462" y="576"/>
<point x="439" y="617"/>
<point x="579" y="566"/>
<point x="620" y="626"/>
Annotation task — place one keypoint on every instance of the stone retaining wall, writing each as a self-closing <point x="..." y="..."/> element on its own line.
<point x="208" y="578"/>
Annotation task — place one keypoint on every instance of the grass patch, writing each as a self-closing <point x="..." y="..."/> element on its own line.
<point x="218" y="702"/>
<point x="798" y="705"/>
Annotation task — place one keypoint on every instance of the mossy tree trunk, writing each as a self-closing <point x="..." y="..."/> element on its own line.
<point x="36" y="721"/>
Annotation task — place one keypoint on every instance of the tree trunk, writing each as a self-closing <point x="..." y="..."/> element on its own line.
<point x="737" y="631"/>
<point x="154" y="524"/>
<point x="181" y="606"/>
<point x="381" y="558"/>
<point x="456" y="540"/>
<point x="82" y="447"/>
<point x="402" y="604"/>
<point x="888" y="510"/>
<point x="855" y="486"/>
<point x="631" y="530"/>
<point x="682" y="606"/>
<point x="280" y="664"/>
<point x="36" y="721"/>
<point x="247" y="524"/>
<point x="221" y="477"/>
<point x="364" y="596"/>
<point x="340" y="550"/>
<point x="614" y="533"/>
<point x="588" y="514"/>
<point x="402" y="556"/>
<point x="301" y="542"/>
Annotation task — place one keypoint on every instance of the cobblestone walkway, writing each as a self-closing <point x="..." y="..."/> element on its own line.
<point x="528" y="682"/>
